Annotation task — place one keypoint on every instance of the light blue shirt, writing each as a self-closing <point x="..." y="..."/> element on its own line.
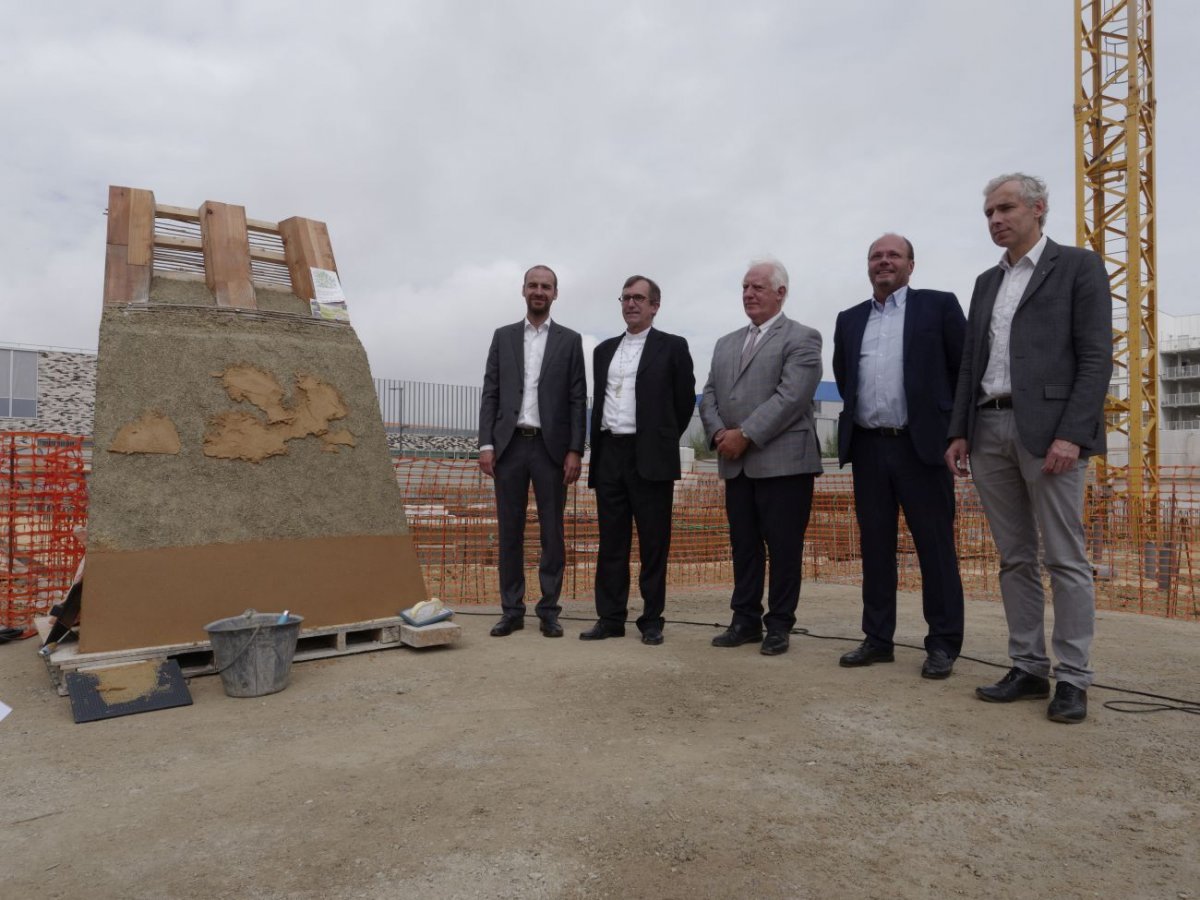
<point x="881" y="402"/>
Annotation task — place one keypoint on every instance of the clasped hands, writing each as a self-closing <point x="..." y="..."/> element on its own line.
<point x="730" y="443"/>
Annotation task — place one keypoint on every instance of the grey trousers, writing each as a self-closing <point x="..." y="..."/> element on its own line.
<point x="1020" y="501"/>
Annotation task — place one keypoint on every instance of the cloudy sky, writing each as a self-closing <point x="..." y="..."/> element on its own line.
<point x="450" y="145"/>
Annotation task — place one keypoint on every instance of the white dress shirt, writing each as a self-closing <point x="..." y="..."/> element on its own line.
<point x="535" y="351"/>
<point x="620" y="401"/>
<point x="997" y="379"/>
<point x="881" y="402"/>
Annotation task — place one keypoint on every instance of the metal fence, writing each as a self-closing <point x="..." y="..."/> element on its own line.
<point x="423" y="407"/>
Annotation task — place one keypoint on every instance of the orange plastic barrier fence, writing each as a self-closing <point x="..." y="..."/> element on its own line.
<point x="43" y="497"/>
<point x="1143" y="563"/>
<point x="1146" y="556"/>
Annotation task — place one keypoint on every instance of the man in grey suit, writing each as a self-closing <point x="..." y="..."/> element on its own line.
<point x="757" y="412"/>
<point x="1028" y="412"/>
<point x="532" y="419"/>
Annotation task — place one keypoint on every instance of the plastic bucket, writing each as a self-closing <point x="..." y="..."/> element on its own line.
<point x="253" y="651"/>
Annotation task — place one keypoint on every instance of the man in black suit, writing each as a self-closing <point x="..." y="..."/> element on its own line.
<point x="644" y="396"/>
<point x="1028" y="412"/>
<point x="895" y="359"/>
<point x="532" y="418"/>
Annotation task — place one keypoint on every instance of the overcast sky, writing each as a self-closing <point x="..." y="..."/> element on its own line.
<point x="450" y="145"/>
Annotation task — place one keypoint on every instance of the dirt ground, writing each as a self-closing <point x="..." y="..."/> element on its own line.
<point x="529" y="767"/>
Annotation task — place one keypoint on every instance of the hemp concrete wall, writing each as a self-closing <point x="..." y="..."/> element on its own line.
<point x="176" y="540"/>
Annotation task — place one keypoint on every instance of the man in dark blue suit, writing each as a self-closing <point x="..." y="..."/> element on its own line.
<point x="896" y="359"/>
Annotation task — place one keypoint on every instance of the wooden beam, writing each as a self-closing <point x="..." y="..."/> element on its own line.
<point x="171" y="242"/>
<point x="227" y="254"/>
<point x="177" y="213"/>
<point x="129" y="255"/>
<point x="306" y="246"/>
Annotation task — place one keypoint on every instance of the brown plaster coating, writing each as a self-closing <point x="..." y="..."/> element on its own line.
<point x="241" y="435"/>
<point x="152" y="432"/>
<point x="151" y="598"/>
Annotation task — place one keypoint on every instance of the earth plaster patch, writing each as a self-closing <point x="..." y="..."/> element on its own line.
<point x="151" y="432"/>
<point x="163" y="357"/>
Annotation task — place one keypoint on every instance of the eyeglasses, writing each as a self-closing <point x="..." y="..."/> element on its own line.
<point x="635" y="298"/>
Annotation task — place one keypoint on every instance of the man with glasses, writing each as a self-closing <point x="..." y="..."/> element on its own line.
<point x="644" y="394"/>
<point x="532" y="417"/>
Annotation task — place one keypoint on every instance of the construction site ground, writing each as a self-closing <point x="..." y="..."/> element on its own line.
<point x="530" y="767"/>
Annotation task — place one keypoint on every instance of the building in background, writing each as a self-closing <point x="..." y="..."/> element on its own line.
<point x="47" y="389"/>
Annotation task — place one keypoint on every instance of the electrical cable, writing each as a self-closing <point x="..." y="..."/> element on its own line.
<point x="1164" y="704"/>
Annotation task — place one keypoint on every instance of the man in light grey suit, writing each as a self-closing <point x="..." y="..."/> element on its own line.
<point x="1028" y="412"/>
<point x="532" y="418"/>
<point x="757" y="412"/>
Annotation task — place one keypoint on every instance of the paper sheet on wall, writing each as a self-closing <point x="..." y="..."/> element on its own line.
<point x="5" y="709"/>
<point x="329" y="302"/>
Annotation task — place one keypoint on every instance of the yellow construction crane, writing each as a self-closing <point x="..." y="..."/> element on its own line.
<point x="1115" y="216"/>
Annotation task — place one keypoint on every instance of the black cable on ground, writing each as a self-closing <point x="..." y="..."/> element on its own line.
<point x="1164" y="704"/>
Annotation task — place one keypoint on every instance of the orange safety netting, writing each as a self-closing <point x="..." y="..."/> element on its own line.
<point x="43" y="497"/>
<point x="1143" y="563"/>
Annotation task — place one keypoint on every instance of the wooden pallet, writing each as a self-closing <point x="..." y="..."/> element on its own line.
<point x="196" y="658"/>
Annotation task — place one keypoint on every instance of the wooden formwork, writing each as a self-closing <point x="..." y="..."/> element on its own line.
<point x="232" y="251"/>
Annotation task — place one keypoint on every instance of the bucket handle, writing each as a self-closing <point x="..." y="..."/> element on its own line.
<point x="245" y="647"/>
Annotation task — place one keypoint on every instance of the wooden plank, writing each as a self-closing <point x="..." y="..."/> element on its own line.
<point x="195" y="657"/>
<point x="263" y="225"/>
<point x="227" y="254"/>
<point x="177" y="213"/>
<point x="268" y="255"/>
<point x="171" y="242"/>
<point x="141" y="228"/>
<point x="118" y="215"/>
<point x="306" y="246"/>
<point x="129" y="257"/>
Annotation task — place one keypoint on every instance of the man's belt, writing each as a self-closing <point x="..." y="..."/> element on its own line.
<point x="522" y="431"/>
<point x="997" y="403"/>
<point x="885" y="432"/>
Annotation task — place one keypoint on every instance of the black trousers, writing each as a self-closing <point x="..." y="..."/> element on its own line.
<point x="623" y="499"/>
<point x="767" y="520"/>
<point x="526" y="461"/>
<point x="888" y="477"/>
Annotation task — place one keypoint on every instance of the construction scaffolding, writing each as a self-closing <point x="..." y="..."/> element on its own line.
<point x="43" y="499"/>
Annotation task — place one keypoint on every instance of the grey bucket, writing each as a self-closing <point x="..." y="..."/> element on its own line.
<point x="253" y="651"/>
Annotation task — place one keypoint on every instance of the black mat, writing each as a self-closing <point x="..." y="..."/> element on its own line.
<point x="101" y="694"/>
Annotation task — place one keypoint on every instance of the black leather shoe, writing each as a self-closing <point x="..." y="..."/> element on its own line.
<point x="736" y="635"/>
<point x="1069" y="704"/>
<point x="866" y="655"/>
<point x="507" y="625"/>
<point x="1016" y="685"/>
<point x="551" y="628"/>
<point x="775" y="643"/>
<point x="938" y="664"/>
<point x="602" y="630"/>
<point x="652" y="636"/>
